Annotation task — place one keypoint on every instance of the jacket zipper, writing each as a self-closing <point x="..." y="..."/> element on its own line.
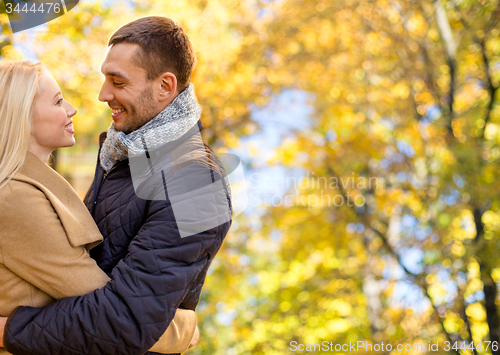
<point x="106" y="173"/>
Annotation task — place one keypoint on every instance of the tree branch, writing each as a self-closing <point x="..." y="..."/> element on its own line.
<point x="465" y="318"/>
<point x="451" y="51"/>
<point x="492" y="89"/>
<point x="419" y="281"/>
<point x="489" y="285"/>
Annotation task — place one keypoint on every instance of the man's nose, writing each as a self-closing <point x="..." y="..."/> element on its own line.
<point x="105" y="95"/>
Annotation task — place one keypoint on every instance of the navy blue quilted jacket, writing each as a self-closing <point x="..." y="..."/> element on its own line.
<point x="153" y="270"/>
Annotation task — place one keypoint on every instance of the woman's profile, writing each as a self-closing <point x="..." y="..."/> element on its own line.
<point x="45" y="229"/>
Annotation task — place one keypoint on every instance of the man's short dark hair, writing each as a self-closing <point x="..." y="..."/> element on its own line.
<point x="164" y="47"/>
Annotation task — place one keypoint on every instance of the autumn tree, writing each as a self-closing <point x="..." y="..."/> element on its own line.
<point x="396" y="240"/>
<point x="406" y="91"/>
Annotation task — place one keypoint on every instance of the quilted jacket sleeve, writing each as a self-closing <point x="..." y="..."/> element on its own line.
<point x="132" y="311"/>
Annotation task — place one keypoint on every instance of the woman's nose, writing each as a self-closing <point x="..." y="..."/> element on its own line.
<point x="70" y="109"/>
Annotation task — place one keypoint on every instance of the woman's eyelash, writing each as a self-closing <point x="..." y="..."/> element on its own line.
<point x="59" y="101"/>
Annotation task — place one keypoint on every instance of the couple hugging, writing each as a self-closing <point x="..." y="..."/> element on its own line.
<point x="122" y="272"/>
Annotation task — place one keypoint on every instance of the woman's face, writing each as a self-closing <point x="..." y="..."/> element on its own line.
<point x="52" y="126"/>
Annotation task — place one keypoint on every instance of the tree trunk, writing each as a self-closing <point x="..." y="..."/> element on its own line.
<point x="490" y="295"/>
<point x="489" y="287"/>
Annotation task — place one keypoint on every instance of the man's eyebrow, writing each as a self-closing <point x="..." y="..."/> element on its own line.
<point x="116" y="74"/>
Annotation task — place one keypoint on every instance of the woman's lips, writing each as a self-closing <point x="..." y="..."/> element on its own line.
<point x="69" y="128"/>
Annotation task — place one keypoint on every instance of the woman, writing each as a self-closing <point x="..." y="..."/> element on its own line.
<point x="45" y="229"/>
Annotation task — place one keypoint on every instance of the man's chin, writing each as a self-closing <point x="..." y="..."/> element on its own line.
<point x="121" y="127"/>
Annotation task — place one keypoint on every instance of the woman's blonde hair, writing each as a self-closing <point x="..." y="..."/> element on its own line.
<point x="19" y="83"/>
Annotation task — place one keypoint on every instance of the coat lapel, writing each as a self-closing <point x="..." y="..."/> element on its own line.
<point x="80" y="228"/>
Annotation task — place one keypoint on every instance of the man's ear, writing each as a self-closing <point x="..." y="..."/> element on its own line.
<point x="168" y="86"/>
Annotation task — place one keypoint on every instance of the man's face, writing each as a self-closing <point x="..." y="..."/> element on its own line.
<point x="126" y="89"/>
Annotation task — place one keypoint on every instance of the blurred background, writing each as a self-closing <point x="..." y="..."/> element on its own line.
<point x="370" y="137"/>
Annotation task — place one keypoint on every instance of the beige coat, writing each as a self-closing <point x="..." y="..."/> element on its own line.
<point x="45" y="234"/>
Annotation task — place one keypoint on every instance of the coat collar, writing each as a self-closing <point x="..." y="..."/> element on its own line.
<point x="80" y="228"/>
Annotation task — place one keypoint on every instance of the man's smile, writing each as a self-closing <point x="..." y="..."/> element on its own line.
<point x="116" y="112"/>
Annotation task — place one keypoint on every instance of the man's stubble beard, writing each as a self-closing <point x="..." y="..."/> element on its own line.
<point x="143" y="113"/>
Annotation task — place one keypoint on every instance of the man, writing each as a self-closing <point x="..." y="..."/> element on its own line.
<point x="162" y="225"/>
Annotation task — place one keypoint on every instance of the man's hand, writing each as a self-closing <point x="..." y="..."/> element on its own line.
<point x="3" y="320"/>
<point x="196" y="338"/>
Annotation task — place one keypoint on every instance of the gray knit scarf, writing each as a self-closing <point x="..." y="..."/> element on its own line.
<point x="170" y="124"/>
